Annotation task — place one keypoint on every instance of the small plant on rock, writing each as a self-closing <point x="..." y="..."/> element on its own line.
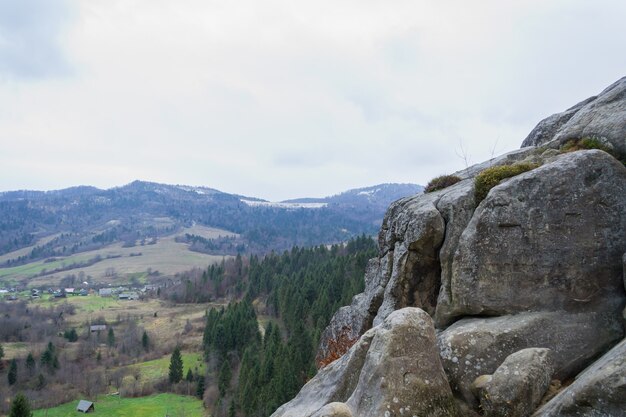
<point x="441" y="182"/>
<point x="491" y="177"/>
<point x="591" y="143"/>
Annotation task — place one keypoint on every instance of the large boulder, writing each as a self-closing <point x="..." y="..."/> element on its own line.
<point x="476" y="346"/>
<point x="602" y="116"/>
<point x="413" y="233"/>
<point x="393" y="370"/>
<point x="546" y="240"/>
<point x="402" y="373"/>
<point x="517" y="386"/>
<point x="598" y="391"/>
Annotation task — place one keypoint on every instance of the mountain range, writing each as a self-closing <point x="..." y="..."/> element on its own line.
<point x="84" y="218"/>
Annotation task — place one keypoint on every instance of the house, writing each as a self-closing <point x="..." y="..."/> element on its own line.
<point x="69" y="291"/>
<point x="97" y="328"/>
<point x="129" y="296"/>
<point x="85" y="406"/>
<point x="105" y="292"/>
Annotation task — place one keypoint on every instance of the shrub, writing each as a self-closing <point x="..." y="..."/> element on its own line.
<point x="441" y="182"/>
<point x="591" y="143"/>
<point x="585" y="143"/>
<point x="491" y="177"/>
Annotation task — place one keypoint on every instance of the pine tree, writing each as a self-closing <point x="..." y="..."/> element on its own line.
<point x="223" y="383"/>
<point x="30" y="362"/>
<point x="20" y="407"/>
<point x="12" y="375"/>
<point x="145" y="341"/>
<point x="111" y="337"/>
<point x="200" y="387"/>
<point x="231" y="409"/>
<point x="189" y="376"/>
<point x="176" y="366"/>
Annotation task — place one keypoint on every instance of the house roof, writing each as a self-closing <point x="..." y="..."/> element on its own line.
<point x="84" y="405"/>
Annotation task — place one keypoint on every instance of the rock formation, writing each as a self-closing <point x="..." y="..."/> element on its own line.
<point x="524" y="286"/>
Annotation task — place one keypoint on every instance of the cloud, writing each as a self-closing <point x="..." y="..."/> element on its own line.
<point x="30" y="38"/>
<point x="287" y="98"/>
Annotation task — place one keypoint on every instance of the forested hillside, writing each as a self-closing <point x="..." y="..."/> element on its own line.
<point x="80" y="219"/>
<point x="253" y="370"/>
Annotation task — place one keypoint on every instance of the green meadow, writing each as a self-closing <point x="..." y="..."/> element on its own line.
<point x="155" y="405"/>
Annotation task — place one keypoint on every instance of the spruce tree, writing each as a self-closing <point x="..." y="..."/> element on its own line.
<point x="189" y="376"/>
<point x="176" y="366"/>
<point x="20" y="407"/>
<point x="200" y="387"/>
<point x="231" y="409"/>
<point x="12" y="375"/>
<point x="145" y="341"/>
<point x="111" y="337"/>
<point x="30" y="362"/>
<point x="223" y="383"/>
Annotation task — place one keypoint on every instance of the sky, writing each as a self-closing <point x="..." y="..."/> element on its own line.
<point x="286" y="98"/>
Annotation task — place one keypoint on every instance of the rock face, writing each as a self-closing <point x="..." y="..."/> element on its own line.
<point x="393" y="370"/>
<point x="598" y="391"/>
<point x="517" y="253"/>
<point x="538" y="264"/>
<point x="475" y="346"/>
<point x="602" y="116"/>
<point x="517" y="386"/>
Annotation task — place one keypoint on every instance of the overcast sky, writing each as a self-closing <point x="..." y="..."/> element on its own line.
<point x="284" y="98"/>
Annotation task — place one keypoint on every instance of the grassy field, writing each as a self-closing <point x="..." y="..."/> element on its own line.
<point x="26" y="250"/>
<point x="167" y="327"/>
<point x="159" y="368"/>
<point x="166" y="256"/>
<point x="152" y="406"/>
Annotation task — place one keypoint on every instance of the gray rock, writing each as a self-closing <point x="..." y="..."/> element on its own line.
<point x="402" y="374"/>
<point x="334" y="410"/>
<point x="517" y="386"/>
<point x="473" y="347"/>
<point x="392" y="370"/>
<point x="549" y="239"/>
<point x="350" y="322"/>
<point x="547" y="129"/>
<point x="334" y="383"/>
<point x="415" y="272"/>
<point x="456" y="206"/>
<point x="599" y="391"/>
<point x="603" y="117"/>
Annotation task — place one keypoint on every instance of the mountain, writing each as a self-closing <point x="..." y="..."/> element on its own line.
<point x="501" y="294"/>
<point x="81" y="219"/>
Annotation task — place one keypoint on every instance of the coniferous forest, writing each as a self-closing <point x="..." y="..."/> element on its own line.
<point x="253" y="368"/>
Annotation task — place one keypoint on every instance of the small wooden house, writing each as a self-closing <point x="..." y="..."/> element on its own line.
<point x="97" y="328"/>
<point x="85" y="407"/>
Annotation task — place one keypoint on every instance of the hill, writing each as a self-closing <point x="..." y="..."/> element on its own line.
<point x="44" y="232"/>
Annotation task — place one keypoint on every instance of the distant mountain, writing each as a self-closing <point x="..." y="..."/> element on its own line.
<point x="378" y="195"/>
<point x="85" y="218"/>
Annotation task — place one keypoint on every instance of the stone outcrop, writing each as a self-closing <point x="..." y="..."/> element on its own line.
<point x="598" y="391"/>
<point x="475" y="346"/>
<point x="601" y="117"/>
<point x="518" y="252"/>
<point x="517" y="386"/>
<point x="540" y="263"/>
<point x="393" y="370"/>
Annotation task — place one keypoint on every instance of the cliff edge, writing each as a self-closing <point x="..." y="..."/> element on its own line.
<point x="504" y="301"/>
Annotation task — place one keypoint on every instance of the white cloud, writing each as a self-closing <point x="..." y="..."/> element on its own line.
<point x="283" y="99"/>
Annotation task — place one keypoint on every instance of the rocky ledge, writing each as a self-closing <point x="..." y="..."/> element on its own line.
<point x="508" y="306"/>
